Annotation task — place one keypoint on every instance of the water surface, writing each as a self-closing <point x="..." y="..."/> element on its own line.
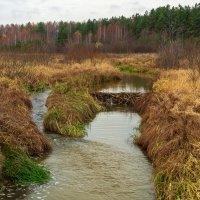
<point x="128" y="84"/>
<point x="105" y="165"/>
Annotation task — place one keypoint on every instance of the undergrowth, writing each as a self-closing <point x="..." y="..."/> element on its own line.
<point x="69" y="109"/>
<point x="17" y="129"/>
<point x="136" y="69"/>
<point x="170" y="134"/>
<point x="21" y="169"/>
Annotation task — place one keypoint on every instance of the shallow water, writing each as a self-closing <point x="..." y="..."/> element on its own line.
<point x="128" y="84"/>
<point x="104" y="165"/>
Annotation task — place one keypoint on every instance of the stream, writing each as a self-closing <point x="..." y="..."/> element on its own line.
<point x="104" y="165"/>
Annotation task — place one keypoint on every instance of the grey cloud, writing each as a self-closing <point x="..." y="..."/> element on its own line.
<point x="34" y="11"/>
<point x="114" y="7"/>
<point x="94" y="13"/>
<point x="43" y="1"/>
<point x="14" y="1"/>
<point x="55" y="8"/>
<point x="141" y="9"/>
<point x="22" y="11"/>
<point x="134" y="3"/>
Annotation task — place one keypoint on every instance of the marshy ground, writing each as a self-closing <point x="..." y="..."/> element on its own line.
<point x="170" y="112"/>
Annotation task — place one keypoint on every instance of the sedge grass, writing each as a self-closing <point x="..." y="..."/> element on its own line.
<point x="69" y="109"/>
<point x="170" y="134"/>
<point x="21" y="169"/>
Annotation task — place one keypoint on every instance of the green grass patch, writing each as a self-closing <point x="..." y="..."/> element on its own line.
<point x="77" y="130"/>
<point x="69" y="109"/>
<point x="136" y="69"/>
<point x="21" y="169"/>
<point x="55" y="114"/>
<point x="62" y="88"/>
<point x="170" y="187"/>
<point x="30" y="88"/>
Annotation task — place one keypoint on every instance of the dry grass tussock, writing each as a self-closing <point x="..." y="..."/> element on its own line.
<point x="170" y="133"/>
<point x="69" y="106"/>
<point x="87" y="73"/>
<point x="143" y="60"/>
<point x="69" y="109"/>
<point x="31" y="73"/>
<point x="37" y="75"/>
<point x="17" y="130"/>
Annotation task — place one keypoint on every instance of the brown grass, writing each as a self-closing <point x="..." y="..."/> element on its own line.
<point x="17" y="130"/>
<point x="179" y="55"/>
<point x="78" y="54"/>
<point x="69" y="109"/>
<point x="35" y="75"/>
<point x="143" y="60"/>
<point x="70" y="106"/>
<point x="170" y="134"/>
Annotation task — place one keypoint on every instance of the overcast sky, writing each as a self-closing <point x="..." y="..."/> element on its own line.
<point x="23" y="11"/>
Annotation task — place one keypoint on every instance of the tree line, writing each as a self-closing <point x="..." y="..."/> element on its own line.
<point x="122" y="34"/>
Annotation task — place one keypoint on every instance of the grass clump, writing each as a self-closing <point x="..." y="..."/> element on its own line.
<point x="38" y="87"/>
<point x="170" y="134"/>
<point x="69" y="110"/>
<point x="62" y="88"/>
<point x="21" y="169"/>
<point x="136" y="69"/>
<point x="17" y="129"/>
<point x="77" y="130"/>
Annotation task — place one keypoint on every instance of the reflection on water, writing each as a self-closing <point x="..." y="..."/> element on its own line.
<point x="128" y="84"/>
<point x="115" y="128"/>
<point x="104" y="165"/>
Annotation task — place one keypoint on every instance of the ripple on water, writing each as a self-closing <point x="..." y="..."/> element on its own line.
<point x="103" y="166"/>
<point x="89" y="170"/>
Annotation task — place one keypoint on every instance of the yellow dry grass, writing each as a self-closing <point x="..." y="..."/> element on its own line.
<point x="181" y="85"/>
<point x="170" y="134"/>
<point x="142" y="59"/>
<point x="62" y="72"/>
<point x="33" y="75"/>
<point x="17" y="129"/>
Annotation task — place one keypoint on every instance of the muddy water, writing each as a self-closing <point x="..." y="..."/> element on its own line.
<point x="105" y="165"/>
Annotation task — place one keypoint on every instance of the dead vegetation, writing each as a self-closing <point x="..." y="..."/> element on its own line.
<point x="122" y="99"/>
<point x="78" y="54"/>
<point x="35" y="75"/>
<point x="69" y="109"/>
<point x="17" y="129"/>
<point x="179" y="55"/>
<point x="142" y="60"/>
<point x="170" y="132"/>
<point x="170" y="115"/>
<point x="35" y="72"/>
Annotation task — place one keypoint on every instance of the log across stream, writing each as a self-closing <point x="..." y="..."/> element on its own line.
<point x="104" y="165"/>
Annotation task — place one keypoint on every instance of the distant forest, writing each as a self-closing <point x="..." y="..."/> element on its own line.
<point x="139" y="33"/>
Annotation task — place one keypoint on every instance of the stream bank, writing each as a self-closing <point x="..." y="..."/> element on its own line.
<point x="170" y="130"/>
<point x="103" y="165"/>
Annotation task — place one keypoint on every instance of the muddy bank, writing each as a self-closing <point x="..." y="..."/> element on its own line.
<point x="69" y="109"/>
<point x="17" y="129"/>
<point x="170" y="132"/>
<point x="20" y="138"/>
<point x="103" y="165"/>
